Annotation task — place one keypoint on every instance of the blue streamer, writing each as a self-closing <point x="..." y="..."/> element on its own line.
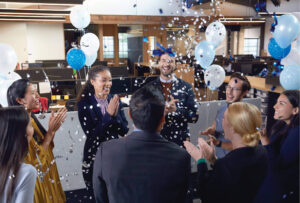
<point x="162" y="50"/>
<point x="275" y="23"/>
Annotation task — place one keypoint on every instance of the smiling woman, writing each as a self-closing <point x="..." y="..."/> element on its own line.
<point x="101" y="118"/>
<point x="282" y="180"/>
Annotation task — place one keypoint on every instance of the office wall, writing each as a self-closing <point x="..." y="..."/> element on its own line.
<point x="34" y="41"/>
<point x="45" y="41"/>
<point x="15" y="35"/>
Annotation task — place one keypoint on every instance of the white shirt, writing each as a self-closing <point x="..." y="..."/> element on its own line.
<point x="24" y="186"/>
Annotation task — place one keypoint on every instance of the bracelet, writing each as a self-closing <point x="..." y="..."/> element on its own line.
<point x="220" y="144"/>
<point x="201" y="161"/>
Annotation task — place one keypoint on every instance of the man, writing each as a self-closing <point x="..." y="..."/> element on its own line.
<point x="236" y="89"/>
<point x="181" y="107"/>
<point x="142" y="167"/>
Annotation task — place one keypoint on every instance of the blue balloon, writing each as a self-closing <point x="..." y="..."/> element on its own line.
<point x="276" y="51"/>
<point x="289" y="77"/>
<point x="287" y="30"/>
<point x="205" y="54"/>
<point x="76" y="58"/>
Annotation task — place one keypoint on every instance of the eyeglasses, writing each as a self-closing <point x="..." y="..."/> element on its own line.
<point x="232" y="88"/>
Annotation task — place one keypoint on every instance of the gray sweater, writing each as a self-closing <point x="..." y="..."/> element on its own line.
<point x="24" y="186"/>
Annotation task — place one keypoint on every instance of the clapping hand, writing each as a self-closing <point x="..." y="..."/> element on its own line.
<point x="56" y="120"/>
<point x="113" y="106"/>
<point x="171" y="105"/>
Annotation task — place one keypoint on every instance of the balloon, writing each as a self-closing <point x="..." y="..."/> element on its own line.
<point x="276" y="51"/>
<point x="89" y="43"/>
<point x="215" y="33"/>
<point x="4" y="84"/>
<point x="76" y="58"/>
<point x="287" y="30"/>
<point x="293" y="58"/>
<point x="289" y="77"/>
<point x="90" y="59"/>
<point x="205" y="54"/>
<point x="8" y="59"/>
<point x="80" y="17"/>
<point x="214" y="76"/>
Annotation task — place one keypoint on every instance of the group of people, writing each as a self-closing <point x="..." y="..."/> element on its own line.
<point x="236" y="160"/>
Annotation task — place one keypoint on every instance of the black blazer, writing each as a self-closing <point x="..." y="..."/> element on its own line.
<point x="235" y="178"/>
<point x="98" y="128"/>
<point x="141" y="167"/>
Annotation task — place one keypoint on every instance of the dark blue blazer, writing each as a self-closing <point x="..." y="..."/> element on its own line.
<point x="142" y="167"/>
<point x="98" y="128"/>
<point x="282" y="181"/>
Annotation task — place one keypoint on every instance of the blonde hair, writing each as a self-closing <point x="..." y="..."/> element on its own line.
<point x="246" y="120"/>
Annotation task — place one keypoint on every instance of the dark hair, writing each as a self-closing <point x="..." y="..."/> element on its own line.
<point x="245" y="82"/>
<point x="17" y="90"/>
<point x="88" y="88"/>
<point x="280" y="127"/>
<point x="13" y="145"/>
<point x="147" y="108"/>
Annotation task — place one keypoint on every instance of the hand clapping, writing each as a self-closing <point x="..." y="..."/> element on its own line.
<point x="113" y="106"/>
<point x="56" y="120"/>
<point x="171" y="105"/>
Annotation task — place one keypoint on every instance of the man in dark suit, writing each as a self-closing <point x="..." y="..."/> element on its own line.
<point x="142" y="167"/>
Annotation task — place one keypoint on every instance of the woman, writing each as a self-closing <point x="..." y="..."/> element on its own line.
<point x="237" y="176"/>
<point x="17" y="179"/>
<point x="100" y="115"/>
<point x="282" y="181"/>
<point x="48" y="187"/>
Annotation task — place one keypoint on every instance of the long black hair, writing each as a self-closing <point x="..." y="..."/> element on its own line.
<point x="17" y="90"/>
<point x="88" y="88"/>
<point x="280" y="127"/>
<point x="13" y="146"/>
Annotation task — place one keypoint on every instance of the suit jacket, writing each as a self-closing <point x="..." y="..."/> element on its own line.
<point x="176" y="124"/>
<point x="235" y="178"/>
<point x="98" y="128"/>
<point x="141" y="167"/>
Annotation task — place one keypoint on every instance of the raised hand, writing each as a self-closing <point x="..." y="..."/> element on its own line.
<point x="56" y="120"/>
<point x="208" y="149"/>
<point x="171" y="105"/>
<point x="113" y="106"/>
<point x="208" y="131"/>
<point x="195" y="153"/>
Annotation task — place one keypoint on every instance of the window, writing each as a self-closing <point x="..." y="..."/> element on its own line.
<point x="123" y="45"/>
<point x="251" y="46"/>
<point x="108" y="47"/>
<point x="152" y="43"/>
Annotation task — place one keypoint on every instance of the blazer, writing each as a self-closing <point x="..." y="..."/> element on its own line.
<point x="176" y="124"/>
<point x="142" y="167"/>
<point x="98" y="128"/>
<point x="282" y="181"/>
<point x="235" y="178"/>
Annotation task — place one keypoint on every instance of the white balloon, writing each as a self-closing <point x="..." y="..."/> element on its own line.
<point x="90" y="58"/>
<point x="8" y="59"/>
<point x="4" y="84"/>
<point x="214" y="76"/>
<point x="293" y="58"/>
<point x="80" y="17"/>
<point x="89" y="43"/>
<point x="215" y="33"/>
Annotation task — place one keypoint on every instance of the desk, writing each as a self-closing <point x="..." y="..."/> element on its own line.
<point x="259" y="83"/>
